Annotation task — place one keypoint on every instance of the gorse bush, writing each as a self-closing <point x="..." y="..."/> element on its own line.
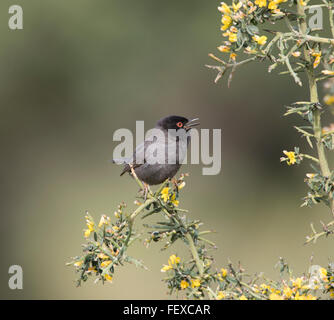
<point x="296" y="49"/>
<point x="249" y="35"/>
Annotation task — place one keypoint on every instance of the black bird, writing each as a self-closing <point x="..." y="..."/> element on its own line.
<point x="152" y="167"/>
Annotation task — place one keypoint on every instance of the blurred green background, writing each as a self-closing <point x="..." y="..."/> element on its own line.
<point x="82" y="69"/>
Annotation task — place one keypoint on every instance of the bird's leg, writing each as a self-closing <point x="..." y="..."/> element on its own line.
<point x="142" y="185"/>
<point x="146" y="190"/>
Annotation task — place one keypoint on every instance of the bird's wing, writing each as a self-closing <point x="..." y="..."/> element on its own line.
<point x="138" y="157"/>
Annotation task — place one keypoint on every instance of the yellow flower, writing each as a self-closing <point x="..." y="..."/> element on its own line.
<point x="265" y="288"/>
<point x="298" y="297"/>
<point x="317" y="59"/>
<point x="182" y="184"/>
<point x="87" y="233"/>
<point x="328" y="72"/>
<point x="102" y="256"/>
<point x="331" y="293"/>
<point x="104" y="220"/>
<point x="108" y="277"/>
<point x="252" y="7"/>
<point x="275" y="296"/>
<point x="90" y="225"/>
<point x="233" y="56"/>
<point x="174" y="201"/>
<point x="78" y="263"/>
<point x="304" y="297"/>
<point x="164" y="194"/>
<point x="224" y="272"/>
<point x="296" y="54"/>
<point x="249" y="50"/>
<point x="173" y="259"/>
<point x="105" y="263"/>
<point x="220" y="295"/>
<point x="260" y="40"/>
<point x="184" y="284"/>
<point x="323" y="274"/>
<point x="226" y="21"/>
<point x="233" y="37"/>
<point x="166" y="268"/>
<point x="287" y="292"/>
<point x="224" y="8"/>
<point x="243" y="298"/>
<point x="302" y="2"/>
<point x="291" y="157"/>
<point x="261" y="3"/>
<point x="297" y="283"/>
<point x="272" y="5"/>
<point x="221" y="49"/>
<point x="195" y="283"/>
<point x="329" y="100"/>
<point x="237" y="6"/>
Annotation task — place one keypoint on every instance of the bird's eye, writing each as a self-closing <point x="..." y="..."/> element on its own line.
<point x="180" y="124"/>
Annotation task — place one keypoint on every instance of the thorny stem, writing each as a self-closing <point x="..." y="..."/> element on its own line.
<point x="250" y="290"/>
<point x="318" y="39"/>
<point x="242" y="284"/>
<point x="314" y="98"/>
<point x="316" y="235"/>
<point x="212" y="295"/>
<point x="141" y="208"/>
<point x="152" y="199"/>
<point x="331" y="17"/>
<point x="194" y="253"/>
<point x="192" y="246"/>
<point x="310" y="157"/>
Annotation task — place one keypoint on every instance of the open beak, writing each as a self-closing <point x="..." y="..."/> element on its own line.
<point x="191" y="123"/>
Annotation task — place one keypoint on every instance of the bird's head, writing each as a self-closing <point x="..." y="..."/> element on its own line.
<point x="176" y="123"/>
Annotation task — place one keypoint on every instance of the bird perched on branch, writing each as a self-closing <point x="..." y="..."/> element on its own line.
<point x="160" y="157"/>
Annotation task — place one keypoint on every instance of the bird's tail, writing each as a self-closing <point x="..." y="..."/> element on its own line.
<point x="119" y="161"/>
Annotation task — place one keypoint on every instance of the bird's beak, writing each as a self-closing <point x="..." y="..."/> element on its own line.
<point x="191" y="123"/>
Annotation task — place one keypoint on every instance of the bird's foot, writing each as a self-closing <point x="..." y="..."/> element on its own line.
<point x="144" y="192"/>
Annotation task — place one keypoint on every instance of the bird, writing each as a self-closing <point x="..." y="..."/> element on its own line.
<point x="156" y="160"/>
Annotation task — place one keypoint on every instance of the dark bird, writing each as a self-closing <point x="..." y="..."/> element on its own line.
<point x="160" y="158"/>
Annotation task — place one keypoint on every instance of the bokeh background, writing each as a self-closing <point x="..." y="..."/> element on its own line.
<point x="81" y="69"/>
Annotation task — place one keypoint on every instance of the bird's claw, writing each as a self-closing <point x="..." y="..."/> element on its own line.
<point x="145" y="191"/>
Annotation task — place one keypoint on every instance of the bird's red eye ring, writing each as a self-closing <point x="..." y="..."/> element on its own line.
<point x="180" y="124"/>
